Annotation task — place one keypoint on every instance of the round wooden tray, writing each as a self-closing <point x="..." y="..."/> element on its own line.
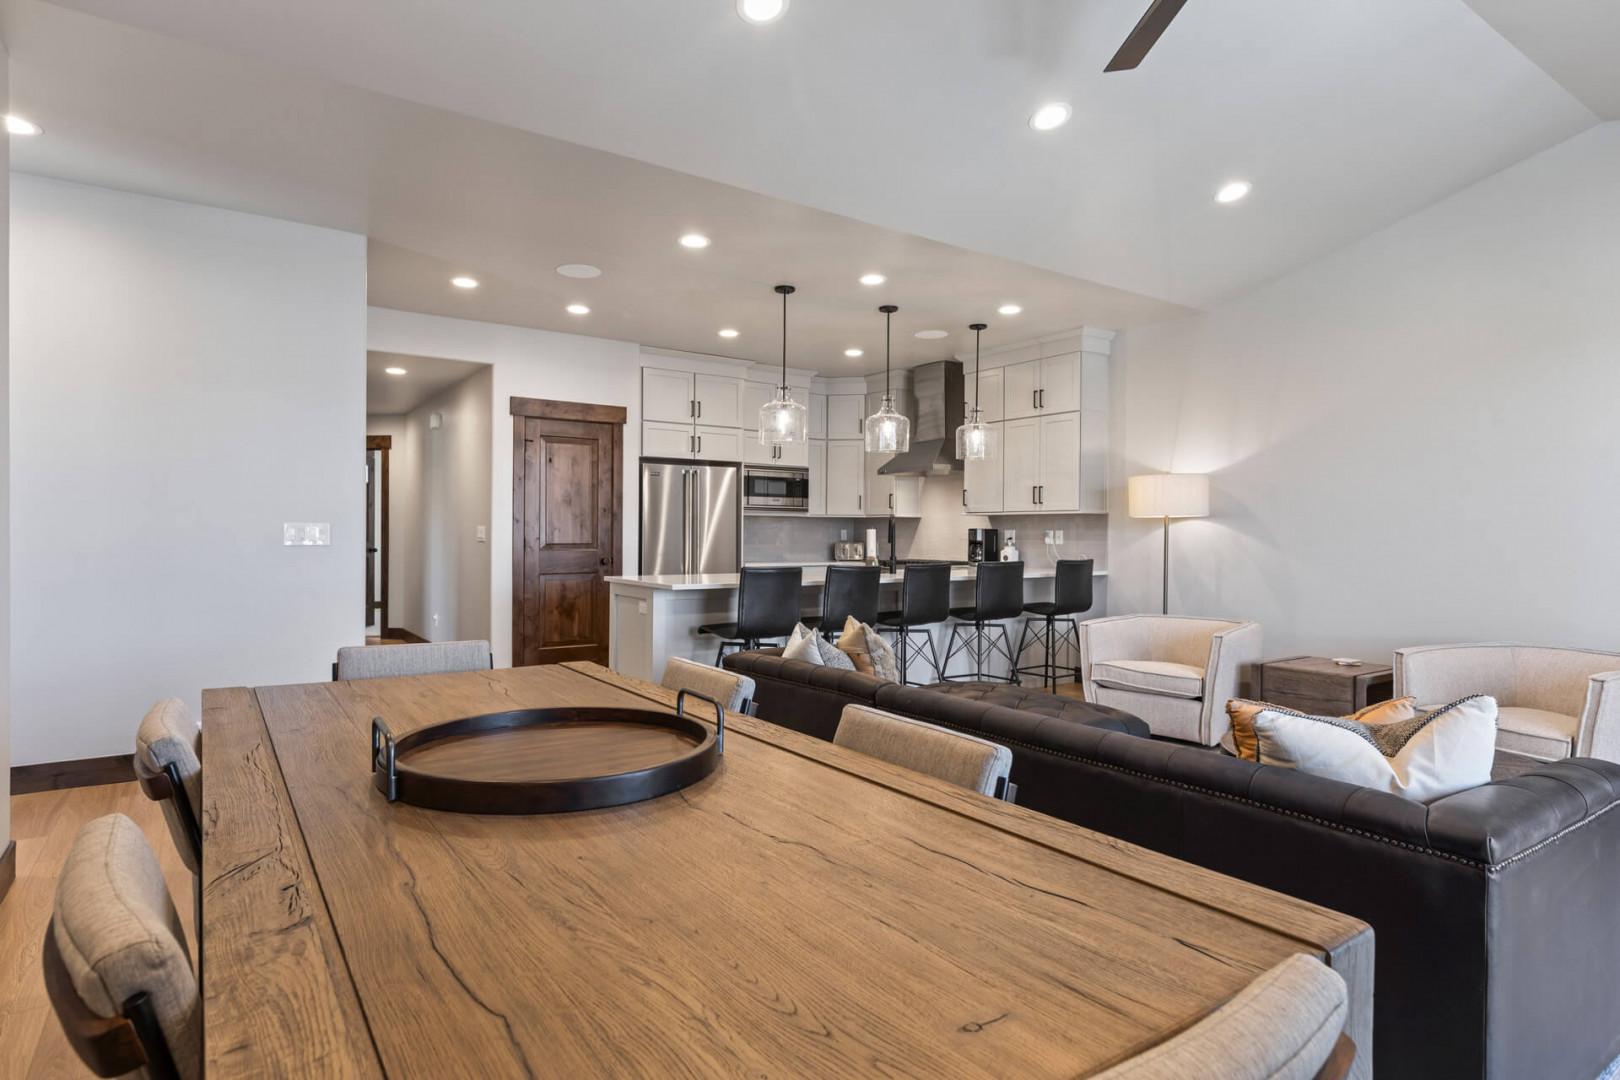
<point x="544" y="761"/>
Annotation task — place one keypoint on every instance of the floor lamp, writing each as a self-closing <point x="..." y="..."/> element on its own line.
<point x="1166" y="496"/>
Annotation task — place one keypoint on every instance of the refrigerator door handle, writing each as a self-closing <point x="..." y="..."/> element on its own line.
<point x="686" y="520"/>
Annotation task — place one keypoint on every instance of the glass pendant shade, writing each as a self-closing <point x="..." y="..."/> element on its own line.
<point x="888" y="431"/>
<point x="783" y="420"/>
<point x="975" y="440"/>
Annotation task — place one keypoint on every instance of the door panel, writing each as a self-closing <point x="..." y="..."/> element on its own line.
<point x="845" y="479"/>
<point x="667" y="440"/>
<point x="1019" y="385"/>
<point x="719" y="400"/>
<point x="565" y="514"/>
<point x="982" y="480"/>
<point x="667" y="395"/>
<point x="1060" y="383"/>
<point x="1060" y="462"/>
<point x="1021" y="463"/>
<point x="720" y="444"/>
<point x="844" y="415"/>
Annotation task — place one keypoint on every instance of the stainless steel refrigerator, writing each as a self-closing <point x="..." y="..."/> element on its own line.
<point x="691" y="517"/>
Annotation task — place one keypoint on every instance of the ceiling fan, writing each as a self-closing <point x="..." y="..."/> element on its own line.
<point x="1146" y="35"/>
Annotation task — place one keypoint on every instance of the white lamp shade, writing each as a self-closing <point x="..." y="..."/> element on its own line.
<point x="1174" y="495"/>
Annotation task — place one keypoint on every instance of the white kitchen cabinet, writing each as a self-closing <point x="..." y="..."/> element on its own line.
<point x="660" y="439"/>
<point x="1047" y="386"/>
<point x="718" y="400"/>
<point x="982" y="481"/>
<point x="818" y="477"/>
<point x="818" y="416"/>
<point x="845" y="478"/>
<point x="1059" y="486"/>
<point x="718" y="443"/>
<point x="755" y="395"/>
<point x="1043" y="467"/>
<point x="990" y="396"/>
<point x="1020" y="463"/>
<point x="1060" y="384"/>
<point x="782" y="455"/>
<point x="884" y="495"/>
<point x="667" y="396"/>
<point x="846" y="416"/>
<point x="1021" y="390"/>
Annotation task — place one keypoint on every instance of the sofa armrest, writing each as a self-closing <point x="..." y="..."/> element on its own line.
<point x="1230" y="653"/>
<point x="1599" y="734"/>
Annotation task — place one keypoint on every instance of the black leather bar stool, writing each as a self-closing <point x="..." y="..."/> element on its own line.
<point x="925" y="601"/>
<point x="998" y="593"/>
<point x="1071" y="595"/>
<point x="849" y="590"/>
<point x="767" y="609"/>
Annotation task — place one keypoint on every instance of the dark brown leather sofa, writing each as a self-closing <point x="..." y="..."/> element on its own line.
<point x="1494" y="910"/>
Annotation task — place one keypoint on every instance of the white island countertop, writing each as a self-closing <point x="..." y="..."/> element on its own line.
<point x="814" y="574"/>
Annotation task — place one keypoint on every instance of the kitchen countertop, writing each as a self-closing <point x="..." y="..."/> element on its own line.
<point x="814" y="574"/>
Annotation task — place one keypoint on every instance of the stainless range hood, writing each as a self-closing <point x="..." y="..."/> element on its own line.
<point x="938" y="387"/>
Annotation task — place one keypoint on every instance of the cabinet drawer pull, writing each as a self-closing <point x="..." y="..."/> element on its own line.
<point x="700" y="408"/>
<point x="700" y="444"/>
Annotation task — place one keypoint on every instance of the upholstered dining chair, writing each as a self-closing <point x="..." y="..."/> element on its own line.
<point x="1550" y="703"/>
<point x="168" y="768"/>
<point x="1286" y="1025"/>
<point x="431" y="658"/>
<point x="734" y="692"/>
<point x="116" y="967"/>
<point x="957" y="758"/>
<point x="1175" y="672"/>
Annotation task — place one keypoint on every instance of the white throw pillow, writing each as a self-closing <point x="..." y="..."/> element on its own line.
<point x="803" y="646"/>
<point x="1438" y="753"/>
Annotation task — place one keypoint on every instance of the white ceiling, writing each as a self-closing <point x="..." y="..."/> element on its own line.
<point x="425" y="376"/>
<point x="1577" y="42"/>
<point x="830" y="143"/>
<point x="911" y="113"/>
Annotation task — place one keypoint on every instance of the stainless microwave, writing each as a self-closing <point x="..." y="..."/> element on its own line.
<point x="776" y="489"/>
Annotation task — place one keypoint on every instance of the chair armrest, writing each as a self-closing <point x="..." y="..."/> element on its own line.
<point x="1599" y="733"/>
<point x="1230" y="652"/>
<point x="1115" y="637"/>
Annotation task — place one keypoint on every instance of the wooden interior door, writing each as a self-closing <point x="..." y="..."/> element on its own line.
<point x="567" y="527"/>
<point x="377" y="448"/>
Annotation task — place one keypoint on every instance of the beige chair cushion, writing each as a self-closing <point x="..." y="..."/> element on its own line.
<point x="1151" y="677"/>
<point x="1282" y="1026"/>
<point x="168" y="735"/>
<point x="1536" y="732"/>
<point x="731" y="690"/>
<point x="434" y="658"/>
<point x="118" y="934"/>
<point x="964" y="760"/>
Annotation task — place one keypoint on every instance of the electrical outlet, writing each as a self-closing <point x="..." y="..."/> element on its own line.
<point x="1058" y="534"/>
<point x="1047" y="536"/>
<point x="843" y="535"/>
<point x="435" y="620"/>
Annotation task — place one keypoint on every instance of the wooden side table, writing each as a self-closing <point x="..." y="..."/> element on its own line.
<point x="1316" y="685"/>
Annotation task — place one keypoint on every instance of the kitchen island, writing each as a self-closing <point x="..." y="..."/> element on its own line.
<point x="656" y="616"/>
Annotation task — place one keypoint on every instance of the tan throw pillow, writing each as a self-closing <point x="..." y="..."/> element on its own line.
<point x="1425" y="758"/>
<point x="852" y="643"/>
<point x="1241" y="741"/>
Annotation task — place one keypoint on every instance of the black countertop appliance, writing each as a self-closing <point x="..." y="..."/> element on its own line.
<point x="983" y="545"/>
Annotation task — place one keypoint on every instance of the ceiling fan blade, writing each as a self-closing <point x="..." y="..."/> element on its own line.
<point x="1146" y="34"/>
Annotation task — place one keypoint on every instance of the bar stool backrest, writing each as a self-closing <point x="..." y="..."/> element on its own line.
<point x="1072" y="593"/>
<point x="998" y="591"/>
<point x="925" y="594"/>
<point x="849" y="590"/>
<point x="768" y="601"/>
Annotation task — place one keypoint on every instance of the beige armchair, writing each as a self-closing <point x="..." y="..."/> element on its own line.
<point x="1175" y="672"/>
<point x="1551" y="703"/>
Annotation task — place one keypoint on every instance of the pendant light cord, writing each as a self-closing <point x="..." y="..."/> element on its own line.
<point x="784" y="342"/>
<point x="976" y="366"/>
<point x="888" y="337"/>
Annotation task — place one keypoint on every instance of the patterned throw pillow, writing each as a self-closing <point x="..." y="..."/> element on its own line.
<point x="1425" y="758"/>
<point x="884" y="664"/>
<point x="832" y="656"/>
<point x="868" y="651"/>
<point x="1240" y="742"/>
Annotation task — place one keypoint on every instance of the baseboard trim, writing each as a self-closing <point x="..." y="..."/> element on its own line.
<point x="8" y="868"/>
<point x="84" y="772"/>
<point x="404" y="635"/>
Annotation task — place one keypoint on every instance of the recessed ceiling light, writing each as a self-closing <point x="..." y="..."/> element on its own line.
<point x="1232" y="192"/>
<point x="579" y="270"/>
<point x="759" y="12"/>
<point x="1009" y="309"/>
<point x="464" y="282"/>
<point x="578" y="309"/>
<point x="728" y="332"/>
<point x="873" y="279"/>
<point x="932" y="335"/>
<point x="852" y="353"/>
<point x="1054" y="114"/>
<point x="394" y="370"/>
<point x="694" y="241"/>
<point x="16" y="125"/>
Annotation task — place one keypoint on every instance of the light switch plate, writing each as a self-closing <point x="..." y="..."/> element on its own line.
<point x="483" y="534"/>
<point x="306" y="533"/>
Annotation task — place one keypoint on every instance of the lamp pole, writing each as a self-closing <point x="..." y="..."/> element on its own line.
<point x="1166" y="593"/>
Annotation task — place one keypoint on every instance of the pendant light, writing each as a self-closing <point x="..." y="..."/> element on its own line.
<point x="887" y="431"/>
<point x="975" y="439"/>
<point x="781" y="419"/>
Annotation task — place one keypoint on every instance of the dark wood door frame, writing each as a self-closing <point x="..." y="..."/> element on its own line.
<point x="542" y="409"/>
<point x="383" y="444"/>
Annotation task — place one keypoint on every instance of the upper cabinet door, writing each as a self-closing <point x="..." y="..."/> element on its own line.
<point x="845" y="414"/>
<point x="719" y="443"/>
<point x="719" y="400"/>
<point x="793" y="455"/>
<point x="659" y="439"/>
<point x="818" y="416"/>
<point x="1060" y="463"/>
<point x="667" y="395"/>
<point x="1021" y="388"/>
<point x="906" y="499"/>
<point x="846" y="480"/>
<point x="1021" y="463"/>
<point x="990" y="396"/>
<point x="818" y="476"/>
<point x="981" y="480"/>
<point x="1060" y="384"/>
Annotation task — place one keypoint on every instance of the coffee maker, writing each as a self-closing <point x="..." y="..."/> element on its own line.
<point x="983" y="544"/>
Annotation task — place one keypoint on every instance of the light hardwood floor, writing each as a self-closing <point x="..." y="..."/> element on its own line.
<point x="44" y="825"/>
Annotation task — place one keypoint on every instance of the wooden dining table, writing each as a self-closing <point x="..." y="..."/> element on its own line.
<point x="802" y="911"/>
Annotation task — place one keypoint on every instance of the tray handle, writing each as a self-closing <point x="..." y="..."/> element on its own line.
<point x="719" y="715"/>
<point x="384" y="758"/>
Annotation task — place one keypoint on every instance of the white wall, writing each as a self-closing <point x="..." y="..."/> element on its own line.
<point x="184" y="380"/>
<point x="5" y="473"/>
<point x="525" y="363"/>
<point x="1413" y="440"/>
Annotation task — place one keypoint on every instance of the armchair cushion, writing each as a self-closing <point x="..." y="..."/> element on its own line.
<point x="1151" y="677"/>
<point x="1536" y="733"/>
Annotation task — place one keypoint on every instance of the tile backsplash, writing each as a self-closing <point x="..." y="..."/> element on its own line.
<point x="770" y="538"/>
<point x="941" y="531"/>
